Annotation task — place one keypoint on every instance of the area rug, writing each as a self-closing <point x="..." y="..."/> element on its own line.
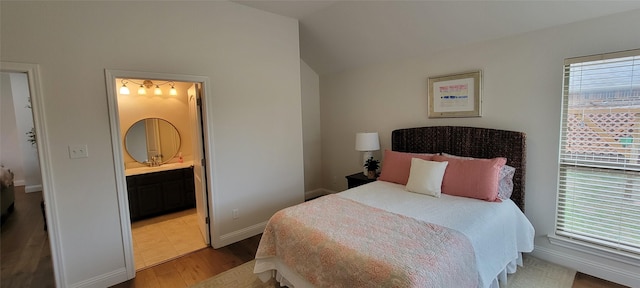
<point x="238" y="277"/>
<point x="535" y="273"/>
<point x="539" y="273"/>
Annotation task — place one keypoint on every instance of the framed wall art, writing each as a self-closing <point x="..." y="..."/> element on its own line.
<point x="456" y="95"/>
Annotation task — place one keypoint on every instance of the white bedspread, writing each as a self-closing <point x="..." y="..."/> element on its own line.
<point x="498" y="231"/>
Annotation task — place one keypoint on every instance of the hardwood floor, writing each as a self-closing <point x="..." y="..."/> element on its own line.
<point x="195" y="267"/>
<point x="24" y="245"/>
<point x="26" y="256"/>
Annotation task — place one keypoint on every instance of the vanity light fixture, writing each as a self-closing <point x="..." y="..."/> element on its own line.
<point x="141" y="90"/>
<point x="147" y="84"/>
<point x="124" y="90"/>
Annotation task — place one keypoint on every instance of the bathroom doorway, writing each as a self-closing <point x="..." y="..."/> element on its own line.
<point x="158" y="135"/>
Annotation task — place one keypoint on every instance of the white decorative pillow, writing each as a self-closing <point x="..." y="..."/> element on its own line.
<point x="425" y="177"/>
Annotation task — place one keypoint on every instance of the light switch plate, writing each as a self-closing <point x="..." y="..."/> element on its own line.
<point x="78" y="151"/>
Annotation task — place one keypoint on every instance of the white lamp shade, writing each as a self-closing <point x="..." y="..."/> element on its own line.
<point x="367" y="141"/>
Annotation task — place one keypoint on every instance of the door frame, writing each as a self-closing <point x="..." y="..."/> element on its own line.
<point x="116" y="143"/>
<point x="42" y="142"/>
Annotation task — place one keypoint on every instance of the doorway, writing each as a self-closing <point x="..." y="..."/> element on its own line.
<point x="43" y="268"/>
<point x="158" y="137"/>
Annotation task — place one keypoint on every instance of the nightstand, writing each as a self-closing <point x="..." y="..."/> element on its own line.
<point x="355" y="180"/>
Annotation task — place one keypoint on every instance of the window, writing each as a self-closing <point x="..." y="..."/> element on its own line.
<point x="599" y="181"/>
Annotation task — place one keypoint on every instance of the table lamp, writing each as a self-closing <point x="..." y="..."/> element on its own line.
<point x="367" y="142"/>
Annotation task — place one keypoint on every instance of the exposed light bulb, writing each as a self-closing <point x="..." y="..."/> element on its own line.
<point x="157" y="90"/>
<point x="124" y="90"/>
<point x="173" y="91"/>
<point x="141" y="90"/>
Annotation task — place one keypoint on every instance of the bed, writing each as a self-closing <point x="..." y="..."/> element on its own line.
<point x="382" y="235"/>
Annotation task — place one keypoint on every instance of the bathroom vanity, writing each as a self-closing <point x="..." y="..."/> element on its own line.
<point x="154" y="191"/>
<point x="154" y="185"/>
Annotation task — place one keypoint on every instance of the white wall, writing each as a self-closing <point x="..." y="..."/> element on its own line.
<point x="522" y="92"/>
<point x="252" y="60"/>
<point x="310" y="82"/>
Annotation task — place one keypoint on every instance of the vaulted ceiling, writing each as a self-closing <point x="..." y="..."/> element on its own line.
<point x="340" y="35"/>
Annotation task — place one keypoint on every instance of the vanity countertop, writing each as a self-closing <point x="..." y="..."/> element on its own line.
<point x="163" y="167"/>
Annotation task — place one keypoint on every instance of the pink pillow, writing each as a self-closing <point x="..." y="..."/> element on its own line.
<point x="505" y="184"/>
<point x="472" y="178"/>
<point x="397" y="165"/>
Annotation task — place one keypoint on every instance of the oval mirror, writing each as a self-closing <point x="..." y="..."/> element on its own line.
<point x="152" y="137"/>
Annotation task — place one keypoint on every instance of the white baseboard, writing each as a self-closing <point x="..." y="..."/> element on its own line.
<point x="27" y="188"/>
<point x="588" y="266"/>
<point x="33" y="188"/>
<point x="238" y="235"/>
<point x="104" y="280"/>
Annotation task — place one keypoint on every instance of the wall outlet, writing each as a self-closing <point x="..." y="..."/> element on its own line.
<point x="235" y="214"/>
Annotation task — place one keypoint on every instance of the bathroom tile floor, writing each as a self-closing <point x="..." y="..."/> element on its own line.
<point x="157" y="240"/>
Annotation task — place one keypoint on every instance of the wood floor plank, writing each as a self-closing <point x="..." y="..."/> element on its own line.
<point x="42" y="274"/>
<point x="214" y="260"/>
<point x="221" y="259"/>
<point x="168" y="275"/>
<point x="8" y="258"/>
<point x="193" y="269"/>
<point x="26" y="255"/>
<point x="245" y="250"/>
<point x="144" y="279"/>
<point x="31" y="252"/>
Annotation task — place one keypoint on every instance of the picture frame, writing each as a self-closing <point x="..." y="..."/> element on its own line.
<point x="455" y="95"/>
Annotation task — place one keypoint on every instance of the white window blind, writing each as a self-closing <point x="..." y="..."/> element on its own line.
<point x="599" y="181"/>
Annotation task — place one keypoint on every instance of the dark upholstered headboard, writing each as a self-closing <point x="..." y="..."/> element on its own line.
<point x="470" y="142"/>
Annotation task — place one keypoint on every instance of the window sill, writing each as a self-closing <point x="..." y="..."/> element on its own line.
<point x="620" y="256"/>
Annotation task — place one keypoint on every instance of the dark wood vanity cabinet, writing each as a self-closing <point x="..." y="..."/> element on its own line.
<point x="158" y="193"/>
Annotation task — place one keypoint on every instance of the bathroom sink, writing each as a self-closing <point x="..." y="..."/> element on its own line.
<point x="163" y="167"/>
<point x="173" y="165"/>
